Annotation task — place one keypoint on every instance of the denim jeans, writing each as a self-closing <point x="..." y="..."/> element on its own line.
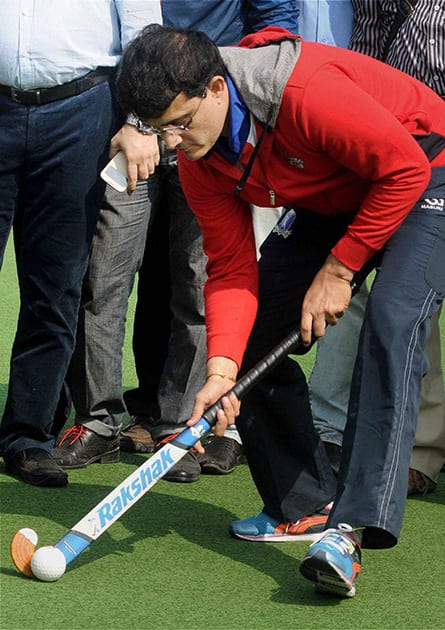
<point x="169" y="339"/>
<point x="49" y="162"/>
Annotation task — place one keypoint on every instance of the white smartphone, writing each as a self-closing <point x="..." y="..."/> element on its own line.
<point x="115" y="172"/>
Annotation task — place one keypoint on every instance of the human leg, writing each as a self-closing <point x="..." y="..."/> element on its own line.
<point x="284" y="451"/>
<point x="95" y="375"/>
<point x="184" y="368"/>
<point x="151" y="327"/>
<point x="385" y="392"/>
<point x="428" y="455"/>
<point x="329" y="387"/>
<point x="33" y="465"/>
<point x="385" y="395"/>
<point x="116" y="254"/>
<point x="58" y="207"/>
<point x="330" y="380"/>
<point x="182" y="355"/>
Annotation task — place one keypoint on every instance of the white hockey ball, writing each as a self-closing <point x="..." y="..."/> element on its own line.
<point x="48" y="564"/>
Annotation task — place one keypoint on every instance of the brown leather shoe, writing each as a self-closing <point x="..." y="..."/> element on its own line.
<point x="136" y="437"/>
<point x="419" y="483"/>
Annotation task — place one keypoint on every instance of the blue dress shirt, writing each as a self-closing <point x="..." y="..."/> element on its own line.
<point x="49" y="42"/>
<point x="325" y="21"/>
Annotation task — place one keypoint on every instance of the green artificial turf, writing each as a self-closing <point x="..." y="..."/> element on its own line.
<point x="169" y="562"/>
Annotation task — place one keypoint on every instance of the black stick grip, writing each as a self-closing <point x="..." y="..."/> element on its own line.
<point x="259" y="371"/>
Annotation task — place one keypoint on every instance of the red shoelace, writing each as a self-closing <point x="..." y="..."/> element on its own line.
<point x="75" y="432"/>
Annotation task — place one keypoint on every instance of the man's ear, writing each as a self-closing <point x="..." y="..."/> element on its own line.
<point x="217" y="85"/>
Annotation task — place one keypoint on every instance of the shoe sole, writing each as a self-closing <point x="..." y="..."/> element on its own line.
<point x="278" y="537"/>
<point x="129" y="446"/>
<point x="181" y="478"/>
<point x="326" y="577"/>
<point x="214" y="469"/>
<point x="111" y="457"/>
<point x="47" y="482"/>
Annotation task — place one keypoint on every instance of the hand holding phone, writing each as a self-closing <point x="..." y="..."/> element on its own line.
<point x="115" y="172"/>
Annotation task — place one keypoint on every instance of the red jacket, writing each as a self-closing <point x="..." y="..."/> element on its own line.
<point x="343" y="141"/>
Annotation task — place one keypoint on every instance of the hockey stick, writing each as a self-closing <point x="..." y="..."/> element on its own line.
<point x="121" y="499"/>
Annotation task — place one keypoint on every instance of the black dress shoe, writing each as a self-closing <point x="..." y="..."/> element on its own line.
<point x="37" y="467"/>
<point x="222" y="455"/>
<point x="80" y="447"/>
<point x="187" y="470"/>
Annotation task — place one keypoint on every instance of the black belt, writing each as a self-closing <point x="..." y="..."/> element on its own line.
<point x="47" y="95"/>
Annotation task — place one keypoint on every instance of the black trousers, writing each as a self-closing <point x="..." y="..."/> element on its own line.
<point x="286" y="457"/>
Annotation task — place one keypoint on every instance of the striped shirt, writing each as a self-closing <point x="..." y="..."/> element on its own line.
<point x="418" y="47"/>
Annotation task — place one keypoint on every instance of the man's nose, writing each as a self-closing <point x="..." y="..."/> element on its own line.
<point x="172" y="140"/>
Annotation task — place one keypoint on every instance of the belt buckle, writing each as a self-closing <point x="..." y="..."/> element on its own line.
<point x="19" y="96"/>
<point x="14" y="95"/>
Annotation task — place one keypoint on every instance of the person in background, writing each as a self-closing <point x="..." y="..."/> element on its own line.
<point x="275" y="121"/>
<point x="318" y="21"/>
<point x="328" y="23"/>
<point x="57" y="116"/>
<point x="414" y="42"/>
<point x="325" y="21"/>
<point x="155" y="232"/>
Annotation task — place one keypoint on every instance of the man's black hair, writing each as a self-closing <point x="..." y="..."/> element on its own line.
<point x="162" y="62"/>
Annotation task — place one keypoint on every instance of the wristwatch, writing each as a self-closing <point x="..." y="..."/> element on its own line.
<point x="137" y="122"/>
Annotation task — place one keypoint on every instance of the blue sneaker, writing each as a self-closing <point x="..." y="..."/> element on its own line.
<point x="334" y="562"/>
<point x="263" y="528"/>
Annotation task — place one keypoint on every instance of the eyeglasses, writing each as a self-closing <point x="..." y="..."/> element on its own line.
<point x="172" y="129"/>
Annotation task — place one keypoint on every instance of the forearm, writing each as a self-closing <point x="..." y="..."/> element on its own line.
<point x="222" y="369"/>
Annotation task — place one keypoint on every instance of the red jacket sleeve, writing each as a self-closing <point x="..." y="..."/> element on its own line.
<point x="232" y="285"/>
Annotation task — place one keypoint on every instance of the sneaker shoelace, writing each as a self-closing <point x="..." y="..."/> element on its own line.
<point x="319" y="518"/>
<point x="342" y="531"/>
<point x="74" y="433"/>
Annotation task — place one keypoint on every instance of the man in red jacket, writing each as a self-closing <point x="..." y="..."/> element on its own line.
<point x="356" y="151"/>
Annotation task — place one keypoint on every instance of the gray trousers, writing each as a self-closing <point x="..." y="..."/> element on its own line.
<point x="171" y="342"/>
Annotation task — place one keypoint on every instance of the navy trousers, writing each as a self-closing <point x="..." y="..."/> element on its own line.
<point x="391" y="361"/>
<point x="286" y="458"/>
<point x="50" y="158"/>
